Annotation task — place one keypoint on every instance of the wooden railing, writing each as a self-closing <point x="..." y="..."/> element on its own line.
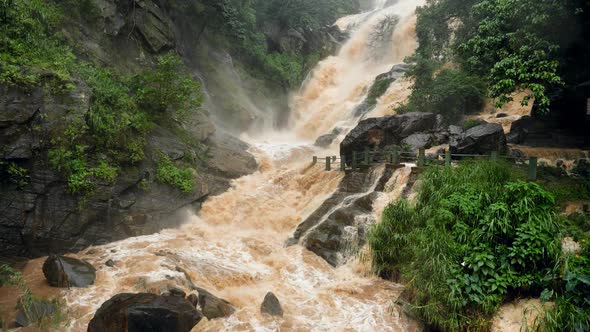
<point x="395" y="156"/>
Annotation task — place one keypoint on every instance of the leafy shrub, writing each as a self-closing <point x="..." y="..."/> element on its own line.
<point x="474" y="237"/>
<point x="452" y="93"/>
<point x="167" y="87"/>
<point x="11" y="172"/>
<point x="29" y="44"/>
<point x="470" y="123"/>
<point x="571" y="311"/>
<point x="180" y="178"/>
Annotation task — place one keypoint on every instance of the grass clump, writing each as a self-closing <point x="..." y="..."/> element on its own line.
<point x="474" y="237"/>
<point x="45" y="315"/>
<point x="168" y="173"/>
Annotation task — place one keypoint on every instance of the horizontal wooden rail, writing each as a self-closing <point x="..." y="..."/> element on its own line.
<point x="395" y="155"/>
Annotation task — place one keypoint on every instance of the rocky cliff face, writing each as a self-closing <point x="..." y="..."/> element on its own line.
<point x="40" y="216"/>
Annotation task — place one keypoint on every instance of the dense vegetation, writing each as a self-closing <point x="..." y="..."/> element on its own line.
<point x="477" y="237"/>
<point x="94" y="147"/>
<point x="503" y="45"/>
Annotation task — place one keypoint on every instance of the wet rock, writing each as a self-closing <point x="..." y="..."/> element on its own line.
<point x="569" y="246"/>
<point x="144" y="313"/>
<point x="110" y="263"/>
<point x="418" y="141"/>
<point x="582" y="167"/>
<point x="325" y="141"/>
<point x="501" y="115"/>
<point x="193" y="299"/>
<point x="174" y="291"/>
<point x="379" y="133"/>
<point x="271" y="305"/>
<point x="37" y="311"/>
<point x="386" y="79"/>
<point x="153" y="26"/>
<point x="62" y="271"/>
<point x="339" y="226"/>
<point x="482" y="139"/>
<point x="213" y="307"/>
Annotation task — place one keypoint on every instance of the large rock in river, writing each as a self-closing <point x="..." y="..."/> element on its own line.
<point x="379" y="133"/>
<point x="62" y="271"/>
<point x="145" y="313"/>
<point x="481" y="139"/>
<point x="213" y="307"/>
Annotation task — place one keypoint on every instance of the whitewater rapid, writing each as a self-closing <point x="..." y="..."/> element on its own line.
<point x="234" y="247"/>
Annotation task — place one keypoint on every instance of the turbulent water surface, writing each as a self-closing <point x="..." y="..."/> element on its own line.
<point x="235" y="246"/>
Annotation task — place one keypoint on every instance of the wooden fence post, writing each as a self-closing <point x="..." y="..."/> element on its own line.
<point x="315" y="160"/>
<point x="328" y="163"/>
<point x="533" y="168"/>
<point x="494" y="156"/>
<point x="366" y="157"/>
<point x="342" y="163"/>
<point x="395" y="155"/>
<point x="448" y="157"/>
<point x="354" y="160"/>
<point x="421" y="157"/>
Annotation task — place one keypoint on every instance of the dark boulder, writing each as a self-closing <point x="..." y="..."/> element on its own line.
<point x="145" y="313"/>
<point x="418" y="141"/>
<point x="110" y="263"/>
<point x="213" y="307"/>
<point x="153" y="26"/>
<point x="62" y="271"/>
<point x="193" y="299"/>
<point x="271" y="305"/>
<point x="482" y="139"/>
<point x="174" y="291"/>
<point x="379" y="133"/>
<point x="582" y="168"/>
<point x="324" y="141"/>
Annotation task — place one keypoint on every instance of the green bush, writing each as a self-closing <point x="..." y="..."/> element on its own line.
<point x="167" y="87"/>
<point x="474" y="237"/>
<point x="12" y="173"/>
<point x="30" y="46"/>
<point x="167" y="173"/>
<point x="452" y="93"/>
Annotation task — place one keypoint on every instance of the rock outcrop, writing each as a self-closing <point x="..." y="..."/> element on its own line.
<point x="384" y="80"/>
<point x="62" y="271"/>
<point x="213" y="307"/>
<point x="145" y="313"/>
<point x="482" y="139"/>
<point x="381" y="133"/>
<point x="339" y="226"/>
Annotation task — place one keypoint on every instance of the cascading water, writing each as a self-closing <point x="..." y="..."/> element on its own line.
<point x="235" y="246"/>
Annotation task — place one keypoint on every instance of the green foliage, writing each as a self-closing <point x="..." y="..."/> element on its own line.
<point x="11" y="172"/>
<point x="167" y="87"/>
<point x="378" y="89"/>
<point x="571" y="311"/>
<point x="511" y="44"/>
<point x="30" y="45"/>
<point x="450" y="92"/>
<point x="474" y="237"/>
<point x="168" y="173"/>
<point x="470" y="123"/>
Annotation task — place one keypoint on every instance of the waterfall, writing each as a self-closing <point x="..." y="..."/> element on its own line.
<point x="235" y="246"/>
